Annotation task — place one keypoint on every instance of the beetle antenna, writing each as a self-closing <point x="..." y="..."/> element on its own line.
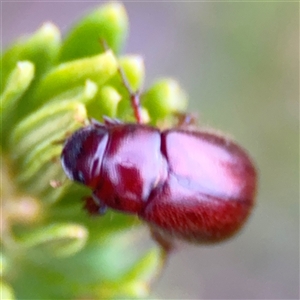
<point x="134" y="96"/>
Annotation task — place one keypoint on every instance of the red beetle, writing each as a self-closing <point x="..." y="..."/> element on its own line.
<point x="191" y="184"/>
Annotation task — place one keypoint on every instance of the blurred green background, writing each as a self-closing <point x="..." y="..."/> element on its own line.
<point x="239" y="63"/>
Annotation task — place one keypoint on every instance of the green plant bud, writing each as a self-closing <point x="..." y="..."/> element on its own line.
<point x="134" y="69"/>
<point x="49" y="91"/>
<point x="121" y="222"/>
<point x="17" y="83"/>
<point x="66" y="76"/>
<point x="146" y="268"/>
<point x="83" y="93"/>
<point x="121" y="290"/>
<point x="41" y="49"/>
<point x="72" y="101"/>
<point x="36" y="149"/>
<point x="47" y="125"/>
<point x="136" y="282"/>
<point x="56" y="239"/>
<point x="106" y="103"/>
<point x="164" y="98"/>
<point x="132" y="279"/>
<point x="7" y="292"/>
<point x="108" y="23"/>
<point x="3" y="264"/>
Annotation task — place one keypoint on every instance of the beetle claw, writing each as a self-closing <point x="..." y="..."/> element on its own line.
<point x="94" y="206"/>
<point x="111" y="121"/>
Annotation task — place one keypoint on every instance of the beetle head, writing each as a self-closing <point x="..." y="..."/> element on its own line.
<point x="82" y="154"/>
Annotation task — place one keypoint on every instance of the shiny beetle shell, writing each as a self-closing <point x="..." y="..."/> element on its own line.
<point x="194" y="185"/>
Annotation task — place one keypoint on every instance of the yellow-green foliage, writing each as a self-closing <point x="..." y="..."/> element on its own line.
<point x="51" y="248"/>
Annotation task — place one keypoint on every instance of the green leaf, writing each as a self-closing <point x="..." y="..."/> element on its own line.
<point x="164" y="98"/>
<point x="136" y="282"/>
<point x="56" y="239"/>
<point x="134" y="69"/>
<point x="48" y="123"/>
<point x="3" y="264"/>
<point x="36" y="152"/>
<point x="7" y="292"/>
<point x="113" y="99"/>
<point x="66" y="76"/>
<point x="109" y="23"/>
<point x="50" y="90"/>
<point x="147" y="267"/>
<point x="106" y="103"/>
<point x="17" y="83"/>
<point x="41" y="49"/>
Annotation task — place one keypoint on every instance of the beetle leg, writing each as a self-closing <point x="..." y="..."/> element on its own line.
<point x="94" y="205"/>
<point x="134" y="95"/>
<point x="166" y="242"/>
<point x="186" y="119"/>
<point x="136" y="105"/>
